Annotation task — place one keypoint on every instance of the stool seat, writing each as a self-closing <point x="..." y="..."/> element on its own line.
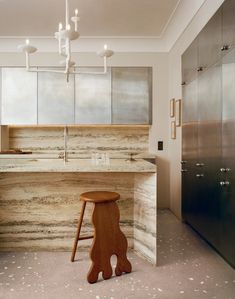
<point x="99" y="196"/>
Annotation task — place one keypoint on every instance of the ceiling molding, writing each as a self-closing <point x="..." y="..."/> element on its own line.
<point x="183" y="14"/>
<point x="87" y="44"/>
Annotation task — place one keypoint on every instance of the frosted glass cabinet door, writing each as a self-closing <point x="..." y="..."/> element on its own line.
<point x="19" y="97"/>
<point x="93" y="97"/>
<point x="55" y="99"/>
<point x="131" y="95"/>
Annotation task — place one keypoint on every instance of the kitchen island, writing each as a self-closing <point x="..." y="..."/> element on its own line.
<point x="39" y="200"/>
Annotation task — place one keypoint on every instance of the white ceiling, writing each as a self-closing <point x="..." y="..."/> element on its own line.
<point x="116" y="18"/>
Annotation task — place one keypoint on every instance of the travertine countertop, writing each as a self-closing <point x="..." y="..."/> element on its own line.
<point x="73" y="165"/>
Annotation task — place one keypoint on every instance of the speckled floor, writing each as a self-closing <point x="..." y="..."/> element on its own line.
<point x="188" y="268"/>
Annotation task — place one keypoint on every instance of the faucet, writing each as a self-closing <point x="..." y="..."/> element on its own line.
<point x="65" y="144"/>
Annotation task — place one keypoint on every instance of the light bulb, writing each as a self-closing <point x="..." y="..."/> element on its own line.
<point x="60" y="26"/>
<point x="68" y="27"/>
<point x="27" y="41"/>
<point x="76" y="12"/>
<point x="105" y="47"/>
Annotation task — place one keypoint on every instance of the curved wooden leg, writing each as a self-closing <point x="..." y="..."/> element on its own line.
<point x="93" y="273"/>
<point x="108" y="271"/>
<point x="78" y="231"/>
<point x="123" y="265"/>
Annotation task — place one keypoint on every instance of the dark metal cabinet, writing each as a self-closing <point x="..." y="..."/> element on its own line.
<point x="18" y="97"/>
<point x="209" y="153"/>
<point x="228" y="24"/>
<point x="55" y="99"/>
<point x="190" y="63"/>
<point x="208" y="140"/>
<point x="131" y="95"/>
<point x="210" y="42"/>
<point x="227" y="169"/>
<point x="189" y="148"/>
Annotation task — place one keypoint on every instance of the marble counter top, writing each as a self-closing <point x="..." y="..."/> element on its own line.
<point x="73" y="165"/>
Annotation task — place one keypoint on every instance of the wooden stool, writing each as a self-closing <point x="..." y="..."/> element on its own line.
<point x="108" y="238"/>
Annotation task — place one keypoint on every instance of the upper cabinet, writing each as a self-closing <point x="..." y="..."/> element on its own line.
<point x="18" y="97"/>
<point x="210" y="42"/>
<point x="190" y="63"/>
<point x="121" y="96"/>
<point x="55" y="99"/>
<point x="228" y="32"/>
<point x="93" y="97"/>
<point x="131" y="95"/>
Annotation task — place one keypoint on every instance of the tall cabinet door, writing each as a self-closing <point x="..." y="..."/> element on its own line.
<point x="209" y="150"/>
<point x="227" y="247"/>
<point x="210" y="41"/>
<point x="189" y="150"/>
<point x="189" y="132"/>
<point x="228" y="23"/>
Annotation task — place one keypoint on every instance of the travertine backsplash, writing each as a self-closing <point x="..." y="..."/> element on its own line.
<point x="82" y="141"/>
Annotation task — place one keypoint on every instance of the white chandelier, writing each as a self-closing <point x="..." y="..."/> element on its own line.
<point x="64" y="36"/>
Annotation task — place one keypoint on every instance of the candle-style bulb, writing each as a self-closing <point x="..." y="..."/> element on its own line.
<point x="60" y="26"/>
<point x="76" y="12"/>
<point x="68" y="27"/>
<point x="105" y="47"/>
<point x="27" y="41"/>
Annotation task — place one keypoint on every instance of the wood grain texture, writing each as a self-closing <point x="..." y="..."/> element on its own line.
<point x="108" y="240"/>
<point x="82" y="141"/>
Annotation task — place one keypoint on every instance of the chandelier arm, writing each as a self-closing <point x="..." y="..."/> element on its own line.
<point x="32" y="70"/>
<point x="95" y="73"/>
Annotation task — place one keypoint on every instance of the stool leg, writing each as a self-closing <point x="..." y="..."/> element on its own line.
<point x="78" y="231"/>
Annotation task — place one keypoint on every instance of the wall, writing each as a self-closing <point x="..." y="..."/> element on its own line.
<point x="199" y="21"/>
<point x="159" y="129"/>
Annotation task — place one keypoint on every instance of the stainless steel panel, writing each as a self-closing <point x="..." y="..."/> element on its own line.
<point x="93" y="97"/>
<point x="228" y="24"/>
<point x="55" y="99"/>
<point x="19" y="97"/>
<point x="190" y="63"/>
<point x="131" y="95"/>
<point x="209" y="148"/>
<point x="210" y="42"/>
<point x="227" y="247"/>
<point x="190" y="122"/>
<point x="209" y="101"/>
<point x="189" y="150"/>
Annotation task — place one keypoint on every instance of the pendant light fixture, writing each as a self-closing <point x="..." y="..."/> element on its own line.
<point x="65" y="35"/>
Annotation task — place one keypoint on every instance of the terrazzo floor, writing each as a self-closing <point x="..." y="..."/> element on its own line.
<point x="188" y="268"/>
